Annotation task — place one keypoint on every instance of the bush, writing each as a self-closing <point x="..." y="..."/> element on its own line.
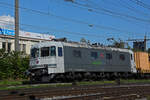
<point x="13" y="65"/>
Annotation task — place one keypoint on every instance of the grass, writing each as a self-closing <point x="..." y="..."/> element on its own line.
<point x="34" y="86"/>
<point x="135" y="81"/>
<point x="10" y="82"/>
<point x="17" y="84"/>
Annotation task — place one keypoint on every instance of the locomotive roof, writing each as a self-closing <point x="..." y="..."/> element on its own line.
<point x="82" y="45"/>
<point x="85" y="45"/>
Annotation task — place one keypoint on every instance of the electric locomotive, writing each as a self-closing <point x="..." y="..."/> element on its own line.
<point x="68" y="61"/>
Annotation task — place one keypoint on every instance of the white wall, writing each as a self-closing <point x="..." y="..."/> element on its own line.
<point x="28" y="43"/>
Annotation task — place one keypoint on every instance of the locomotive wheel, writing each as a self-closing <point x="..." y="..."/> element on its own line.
<point x="45" y="79"/>
<point x="32" y="80"/>
<point x="87" y="76"/>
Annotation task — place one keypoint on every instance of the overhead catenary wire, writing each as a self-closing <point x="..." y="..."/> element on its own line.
<point x="112" y="12"/>
<point x="104" y="13"/>
<point x="58" y="30"/>
<point x="127" y="6"/>
<point x="129" y="21"/>
<point x="98" y="12"/>
<point x="64" y="31"/>
<point x="72" y="20"/>
<point x="142" y="4"/>
<point x="79" y="34"/>
<point x="134" y="9"/>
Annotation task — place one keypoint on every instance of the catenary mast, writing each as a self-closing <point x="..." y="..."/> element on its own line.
<point x="16" y="25"/>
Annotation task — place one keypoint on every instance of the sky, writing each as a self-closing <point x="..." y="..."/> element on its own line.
<point x="94" y="20"/>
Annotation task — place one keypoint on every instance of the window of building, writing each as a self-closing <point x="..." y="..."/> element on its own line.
<point x="59" y="51"/>
<point x="34" y="52"/>
<point x="131" y="57"/>
<point x="108" y="56"/>
<point x="24" y="48"/>
<point x="53" y="51"/>
<point x="4" y="46"/>
<point x="20" y="47"/>
<point x="9" y="47"/>
<point x="77" y="53"/>
<point x="122" y="57"/>
<point x="44" y="51"/>
<point x="94" y="55"/>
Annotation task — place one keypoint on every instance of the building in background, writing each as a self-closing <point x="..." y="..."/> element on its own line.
<point x="27" y="39"/>
<point x="139" y="46"/>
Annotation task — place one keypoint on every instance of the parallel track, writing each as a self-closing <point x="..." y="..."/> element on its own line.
<point x="92" y="92"/>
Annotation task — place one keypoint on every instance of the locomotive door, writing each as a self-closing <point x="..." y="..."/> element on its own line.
<point x="60" y="60"/>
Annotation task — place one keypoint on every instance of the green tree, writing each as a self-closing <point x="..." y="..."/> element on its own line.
<point x="13" y="65"/>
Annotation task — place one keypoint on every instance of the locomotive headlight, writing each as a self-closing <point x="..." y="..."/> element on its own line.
<point x="32" y="74"/>
<point x="44" y="71"/>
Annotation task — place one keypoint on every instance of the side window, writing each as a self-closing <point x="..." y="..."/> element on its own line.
<point x="94" y="55"/>
<point x="34" y="52"/>
<point x="77" y="53"/>
<point x="44" y="51"/>
<point x="59" y="51"/>
<point x="122" y="57"/>
<point x="53" y="51"/>
<point x="108" y="56"/>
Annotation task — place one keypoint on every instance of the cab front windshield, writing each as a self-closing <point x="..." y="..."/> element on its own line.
<point x="48" y="51"/>
<point x="34" y="52"/>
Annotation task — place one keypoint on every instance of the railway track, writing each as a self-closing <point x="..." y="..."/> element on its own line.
<point x="92" y="92"/>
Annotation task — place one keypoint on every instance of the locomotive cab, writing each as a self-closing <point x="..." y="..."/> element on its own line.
<point x="46" y="59"/>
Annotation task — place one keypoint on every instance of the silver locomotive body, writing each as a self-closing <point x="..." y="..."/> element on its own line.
<point x="46" y="59"/>
<point x="55" y="60"/>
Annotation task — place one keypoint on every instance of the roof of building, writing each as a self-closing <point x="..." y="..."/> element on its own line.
<point x="27" y="35"/>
